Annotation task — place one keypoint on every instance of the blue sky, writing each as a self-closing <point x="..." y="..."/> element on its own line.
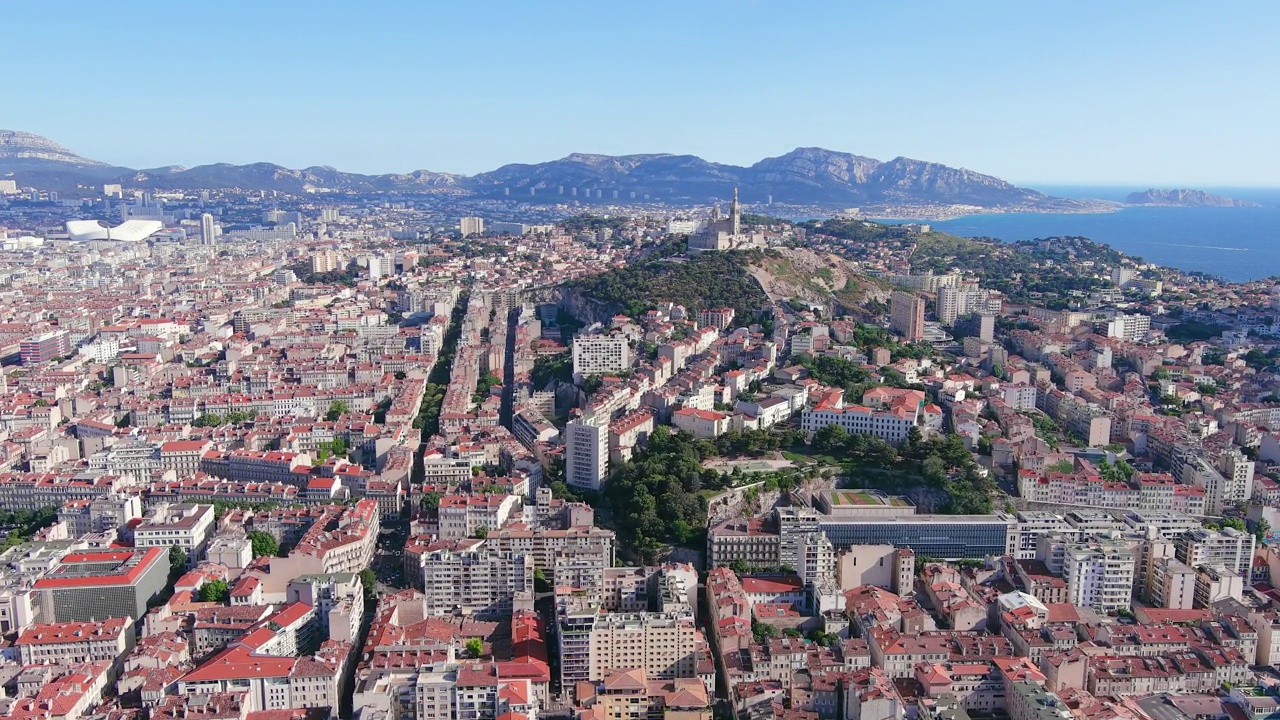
<point x="1086" y="92"/>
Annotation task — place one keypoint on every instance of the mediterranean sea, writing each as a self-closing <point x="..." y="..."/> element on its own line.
<point x="1238" y="244"/>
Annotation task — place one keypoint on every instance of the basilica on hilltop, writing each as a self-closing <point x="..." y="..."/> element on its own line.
<point x="725" y="233"/>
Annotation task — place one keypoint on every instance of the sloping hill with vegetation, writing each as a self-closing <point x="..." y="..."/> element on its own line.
<point x="822" y="278"/>
<point x="1024" y="270"/>
<point x="706" y="280"/>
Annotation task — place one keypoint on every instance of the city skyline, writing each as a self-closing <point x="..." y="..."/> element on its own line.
<point x="1150" y="96"/>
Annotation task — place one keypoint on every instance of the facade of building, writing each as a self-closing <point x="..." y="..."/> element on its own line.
<point x="586" y="455"/>
<point x="44" y="347"/>
<point x="475" y="581"/>
<point x="1100" y="575"/>
<point x="75" y="642"/>
<point x="664" y="645"/>
<point x="906" y="316"/>
<point x="936" y="536"/>
<point x="87" y="585"/>
<point x="1228" y="548"/>
<point x="185" y="526"/>
<point x="471" y="226"/>
<point x="600" y="355"/>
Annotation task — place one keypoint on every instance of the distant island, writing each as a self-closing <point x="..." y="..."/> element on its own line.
<point x="1185" y="198"/>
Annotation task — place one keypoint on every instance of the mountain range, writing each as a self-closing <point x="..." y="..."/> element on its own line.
<point x="804" y="176"/>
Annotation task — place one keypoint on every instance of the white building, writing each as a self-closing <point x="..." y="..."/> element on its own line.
<point x="600" y="354"/>
<point x="338" y="600"/>
<point x="75" y="642"/>
<point x="1228" y="548"/>
<point x="186" y="526"/>
<point x="665" y="645"/>
<point x="462" y="516"/>
<point x="475" y="581"/>
<point x="1099" y="575"/>
<point x="208" y="230"/>
<point x="586" y="463"/>
<point x="471" y="226"/>
<point x="1129" y="328"/>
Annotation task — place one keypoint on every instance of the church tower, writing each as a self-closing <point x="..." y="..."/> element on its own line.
<point x="735" y="215"/>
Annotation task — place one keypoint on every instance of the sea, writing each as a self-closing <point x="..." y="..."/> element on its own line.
<point x="1237" y="244"/>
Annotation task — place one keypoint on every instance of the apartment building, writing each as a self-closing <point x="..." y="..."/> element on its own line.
<point x="747" y="540"/>
<point x="183" y="456"/>
<point x="75" y="642"/>
<point x="103" y="514"/>
<point x="1129" y="328"/>
<point x="1100" y="575"/>
<point x="338" y="600"/>
<point x="462" y="516"/>
<point x="1228" y="548"/>
<point x="254" y="466"/>
<point x="600" y="354"/>
<point x="551" y="549"/>
<point x="339" y="540"/>
<point x="718" y="318"/>
<point x="466" y="691"/>
<point x="592" y="643"/>
<point x="1030" y="701"/>
<point x="1145" y="492"/>
<point x="44" y="347"/>
<point x="630" y="694"/>
<point x="185" y="526"/>
<point x="475" y="581"/>
<point x="906" y="316"/>
<point x="271" y="682"/>
<point x="586" y="452"/>
<point x="32" y="491"/>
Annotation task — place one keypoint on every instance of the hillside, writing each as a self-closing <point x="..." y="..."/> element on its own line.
<point x="1045" y="269"/>
<point x="702" y="281"/>
<point x="747" y="281"/>
<point x="825" y="279"/>
<point x="805" y="176"/>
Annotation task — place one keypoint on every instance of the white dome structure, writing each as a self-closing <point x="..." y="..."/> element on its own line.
<point x="127" y="231"/>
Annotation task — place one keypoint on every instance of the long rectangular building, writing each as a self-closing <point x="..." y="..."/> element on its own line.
<point x="102" y="584"/>
<point x="936" y="536"/>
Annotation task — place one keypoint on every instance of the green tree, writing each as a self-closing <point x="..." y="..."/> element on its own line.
<point x="1235" y="524"/>
<point x="934" y="470"/>
<point x="482" y="532"/>
<point x="369" y="581"/>
<point x="337" y="409"/>
<point x="475" y="647"/>
<point x="763" y="631"/>
<point x="830" y="438"/>
<point x="1260" y="530"/>
<point x="264" y="543"/>
<point x="177" y="561"/>
<point x="214" y="591"/>
<point x="540" y="582"/>
<point x="430" y="501"/>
